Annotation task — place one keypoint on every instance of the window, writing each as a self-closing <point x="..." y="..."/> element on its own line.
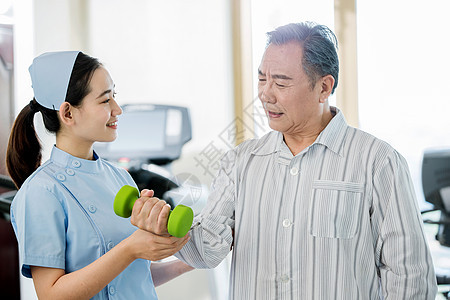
<point x="403" y="63"/>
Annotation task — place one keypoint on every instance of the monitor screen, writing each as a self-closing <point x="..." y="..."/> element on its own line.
<point x="140" y="131"/>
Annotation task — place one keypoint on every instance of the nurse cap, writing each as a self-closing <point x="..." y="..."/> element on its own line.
<point x="50" y="75"/>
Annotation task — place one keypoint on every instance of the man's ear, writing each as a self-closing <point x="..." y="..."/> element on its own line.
<point x="327" y="86"/>
<point x="65" y="113"/>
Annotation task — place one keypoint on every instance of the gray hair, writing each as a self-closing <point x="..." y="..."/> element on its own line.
<point x="319" y="48"/>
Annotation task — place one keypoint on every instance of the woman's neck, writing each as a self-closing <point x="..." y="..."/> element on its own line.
<point x="71" y="145"/>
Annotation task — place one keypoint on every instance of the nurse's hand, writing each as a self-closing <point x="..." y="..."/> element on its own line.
<point x="150" y="214"/>
<point x="146" y="245"/>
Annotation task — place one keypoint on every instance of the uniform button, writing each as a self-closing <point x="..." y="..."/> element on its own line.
<point x="294" y="171"/>
<point x="110" y="245"/>
<point x="112" y="290"/>
<point x="92" y="208"/>
<point x="284" y="278"/>
<point x="286" y="223"/>
<point x="60" y="177"/>
<point x="70" y="172"/>
<point x="76" y="163"/>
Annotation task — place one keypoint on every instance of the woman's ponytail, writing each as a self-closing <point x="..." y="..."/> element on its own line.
<point x="23" y="155"/>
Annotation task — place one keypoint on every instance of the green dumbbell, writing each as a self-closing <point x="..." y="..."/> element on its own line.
<point x="180" y="218"/>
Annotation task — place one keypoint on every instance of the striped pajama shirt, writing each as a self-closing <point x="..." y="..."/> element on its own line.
<point x="337" y="221"/>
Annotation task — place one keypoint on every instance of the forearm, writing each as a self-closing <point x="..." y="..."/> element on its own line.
<point x="421" y="285"/>
<point x="165" y="271"/>
<point x="210" y="243"/>
<point x="90" y="280"/>
<point x="407" y="270"/>
<point x="86" y="282"/>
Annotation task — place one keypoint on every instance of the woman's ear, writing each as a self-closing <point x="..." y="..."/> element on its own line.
<point x="65" y="113"/>
<point x="327" y="87"/>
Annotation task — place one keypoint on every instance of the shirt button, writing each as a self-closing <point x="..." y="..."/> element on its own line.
<point x="284" y="278"/>
<point x="76" y="163"/>
<point x="112" y="290"/>
<point x="294" y="171"/>
<point x="110" y="245"/>
<point x="60" y="177"/>
<point x="286" y="223"/>
<point x="70" y="172"/>
<point x="92" y="208"/>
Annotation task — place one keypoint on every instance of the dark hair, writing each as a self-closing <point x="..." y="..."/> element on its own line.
<point x="319" y="48"/>
<point x="23" y="155"/>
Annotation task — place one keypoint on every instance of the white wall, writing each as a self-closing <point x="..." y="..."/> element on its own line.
<point x="169" y="52"/>
<point x="23" y="54"/>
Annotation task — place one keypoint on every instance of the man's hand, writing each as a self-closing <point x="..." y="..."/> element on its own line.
<point x="150" y="214"/>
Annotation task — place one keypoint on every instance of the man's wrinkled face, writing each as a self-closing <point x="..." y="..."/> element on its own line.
<point x="285" y="90"/>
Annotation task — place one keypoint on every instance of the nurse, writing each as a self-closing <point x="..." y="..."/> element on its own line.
<point x="70" y="241"/>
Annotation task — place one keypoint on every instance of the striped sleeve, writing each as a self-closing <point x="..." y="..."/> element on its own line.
<point x="211" y="238"/>
<point x="405" y="264"/>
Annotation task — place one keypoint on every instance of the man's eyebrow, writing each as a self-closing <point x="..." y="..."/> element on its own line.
<point x="280" y="76"/>
<point x="275" y="76"/>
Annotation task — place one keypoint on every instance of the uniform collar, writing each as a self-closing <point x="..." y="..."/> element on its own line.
<point x="331" y="137"/>
<point x="66" y="160"/>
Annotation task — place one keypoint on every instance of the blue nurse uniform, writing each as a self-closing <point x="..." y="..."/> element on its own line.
<point x="63" y="218"/>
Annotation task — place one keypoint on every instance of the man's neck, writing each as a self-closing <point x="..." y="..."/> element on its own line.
<point x="299" y="141"/>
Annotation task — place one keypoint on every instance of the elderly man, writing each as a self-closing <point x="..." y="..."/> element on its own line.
<point x="319" y="210"/>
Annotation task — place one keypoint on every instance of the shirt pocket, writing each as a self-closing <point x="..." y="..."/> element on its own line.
<point x="335" y="209"/>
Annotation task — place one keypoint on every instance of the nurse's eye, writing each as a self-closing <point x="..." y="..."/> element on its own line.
<point x="113" y="96"/>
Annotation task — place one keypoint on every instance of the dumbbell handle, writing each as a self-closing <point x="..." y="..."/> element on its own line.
<point x="180" y="218"/>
